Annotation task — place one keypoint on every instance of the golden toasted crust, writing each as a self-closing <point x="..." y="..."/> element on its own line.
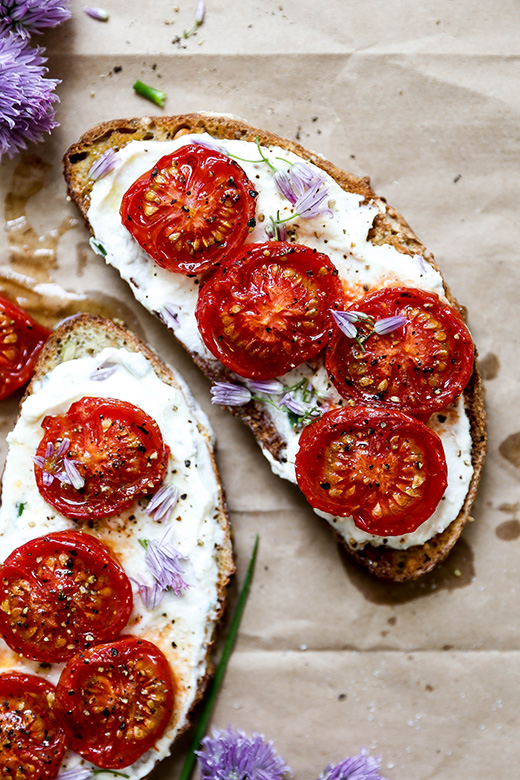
<point x="389" y="227"/>
<point x="86" y="335"/>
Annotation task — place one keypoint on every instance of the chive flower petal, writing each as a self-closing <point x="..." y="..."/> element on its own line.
<point x="228" y="394"/>
<point x="162" y="502"/>
<point x="80" y="773"/>
<point x="294" y="406"/>
<point x="99" y="14"/>
<point x="267" y="386"/>
<point x="170" y="315"/>
<point x="26" y="97"/>
<point x="345" y="322"/>
<point x="151" y="595"/>
<point x="32" y="17"/>
<point x="71" y="470"/>
<point x="103" y="372"/>
<point x="163" y="561"/>
<point x="309" y="205"/>
<point x="231" y="754"/>
<point x="103" y="165"/>
<point x="389" y="324"/>
<point x="360" y="767"/>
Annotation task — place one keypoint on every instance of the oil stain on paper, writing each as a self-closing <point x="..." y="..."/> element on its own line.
<point x="510" y="449"/>
<point x="27" y="278"/>
<point x="456" y="572"/>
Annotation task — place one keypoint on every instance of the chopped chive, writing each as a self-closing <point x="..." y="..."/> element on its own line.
<point x="143" y="543"/>
<point x="155" y="95"/>
<point x="98" y="247"/>
<point x="214" y="688"/>
<point x="21" y="507"/>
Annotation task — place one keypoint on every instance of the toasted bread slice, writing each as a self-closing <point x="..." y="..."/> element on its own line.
<point x="387" y="228"/>
<point x="183" y="626"/>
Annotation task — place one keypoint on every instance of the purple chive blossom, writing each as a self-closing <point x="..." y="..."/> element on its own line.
<point x="47" y="478"/>
<point x="26" y="97"/>
<point x="31" y="17"/>
<point x="231" y="755"/>
<point x="73" y="475"/>
<point x="303" y="177"/>
<point x="163" y="560"/>
<point x="81" y="773"/>
<point x="151" y="595"/>
<point x="303" y="188"/>
<point x="389" y="324"/>
<point x="422" y="263"/>
<point x="275" y="231"/>
<point x="345" y="321"/>
<point x="103" y="165"/>
<point x="200" y="12"/>
<point x="63" y="447"/>
<point x="297" y="407"/>
<point x="267" y="386"/>
<point x="283" y="182"/>
<point x="228" y="394"/>
<point x="162" y="502"/>
<point x="360" y="767"/>
<point x="213" y="147"/>
<point x="99" y="14"/>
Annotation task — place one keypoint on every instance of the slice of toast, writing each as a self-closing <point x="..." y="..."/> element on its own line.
<point x="87" y="346"/>
<point x="388" y="228"/>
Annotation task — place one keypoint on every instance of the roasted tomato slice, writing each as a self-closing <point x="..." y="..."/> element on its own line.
<point x="61" y="593"/>
<point x="32" y="741"/>
<point x="115" y="701"/>
<point x="21" y="341"/>
<point x="419" y="367"/>
<point x="98" y="457"/>
<point x="190" y="211"/>
<point x="268" y="309"/>
<point x="384" y="468"/>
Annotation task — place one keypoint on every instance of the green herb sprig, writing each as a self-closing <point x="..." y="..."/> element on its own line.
<point x="214" y="688"/>
<point x="150" y="93"/>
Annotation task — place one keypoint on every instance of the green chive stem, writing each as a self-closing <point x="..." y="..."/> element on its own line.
<point x="214" y="688"/>
<point x="150" y="93"/>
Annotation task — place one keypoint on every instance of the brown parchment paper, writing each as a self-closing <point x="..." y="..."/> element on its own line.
<point x="424" y="98"/>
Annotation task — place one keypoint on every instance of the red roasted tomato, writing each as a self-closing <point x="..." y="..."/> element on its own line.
<point x="61" y="593"/>
<point x="268" y="308"/>
<point x="98" y="457"/>
<point x="190" y="211"/>
<point x="21" y="341"/>
<point x="419" y="368"/>
<point x="115" y="701"/>
<point x="384" y="468"/>
<point x="32" y="741"/>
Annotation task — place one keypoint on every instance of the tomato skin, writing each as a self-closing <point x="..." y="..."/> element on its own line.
<point x="199" y="196"/>
<point x="32" y="740"/>
<point x="107" y="686"/>
<point x="419" y="368"/>
<point x="384" y="468"/>
<point x="21" y="341"/>
<point x="63" y="609"/>
<point x="117" y="449"/>
<point x="267" y="309"/>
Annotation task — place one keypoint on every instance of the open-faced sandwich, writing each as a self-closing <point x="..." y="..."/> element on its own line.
<point x="320" y="317"/>
<point x="116" y="554"/>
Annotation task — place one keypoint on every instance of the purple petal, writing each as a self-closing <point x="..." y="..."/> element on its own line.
<point x="38" y="460"/>
<point x="267" y="386"/>
<point x="49" y="450"/>
<point x="63" y="447"/>
<point x="230" y="754"/>
<point x="151" y="595"/>
<point x="76" y="480"/>
<point x="170" y="315"/>
<point x="200" y="12"/>
<point x="103" y="165"/>
<point x="47" y="478"/>
<point x="389" y="324"/>
<point x="80" y="773"/>
<point x="360" y="767"/>
<point x="30" y="17"/>
<point x="309" y="205"/>
<point x="99" y="14"/>
<point x="162" y="502"/>
<point x="283" y="182"/>
<point x="297" y="407"/>
<point x="163" y="560"/>
<point x="103" y="372"/>
<point x="344" y="320"/>
<point x="228" y="394"/>
<point x="302" y="178"/>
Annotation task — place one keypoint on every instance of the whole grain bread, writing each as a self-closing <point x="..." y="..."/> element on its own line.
<point x="85" y="335"/>
<point x="389" y="227"/>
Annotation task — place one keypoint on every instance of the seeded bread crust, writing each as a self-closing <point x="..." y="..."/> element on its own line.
<point x="85" y="335"/>
<point x="389" y="227"/>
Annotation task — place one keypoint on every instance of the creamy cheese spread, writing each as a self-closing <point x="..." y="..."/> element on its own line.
<point x="343" y="236"/>
<point x="181" y="626"/>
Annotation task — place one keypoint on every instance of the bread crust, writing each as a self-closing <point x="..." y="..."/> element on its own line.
<point x="389" y="227"/>
<point x="84" y="335"/>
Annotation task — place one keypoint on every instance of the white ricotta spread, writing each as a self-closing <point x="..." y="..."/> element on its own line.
<point x="180" y="626"/>
<point x="362" y="265"/>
